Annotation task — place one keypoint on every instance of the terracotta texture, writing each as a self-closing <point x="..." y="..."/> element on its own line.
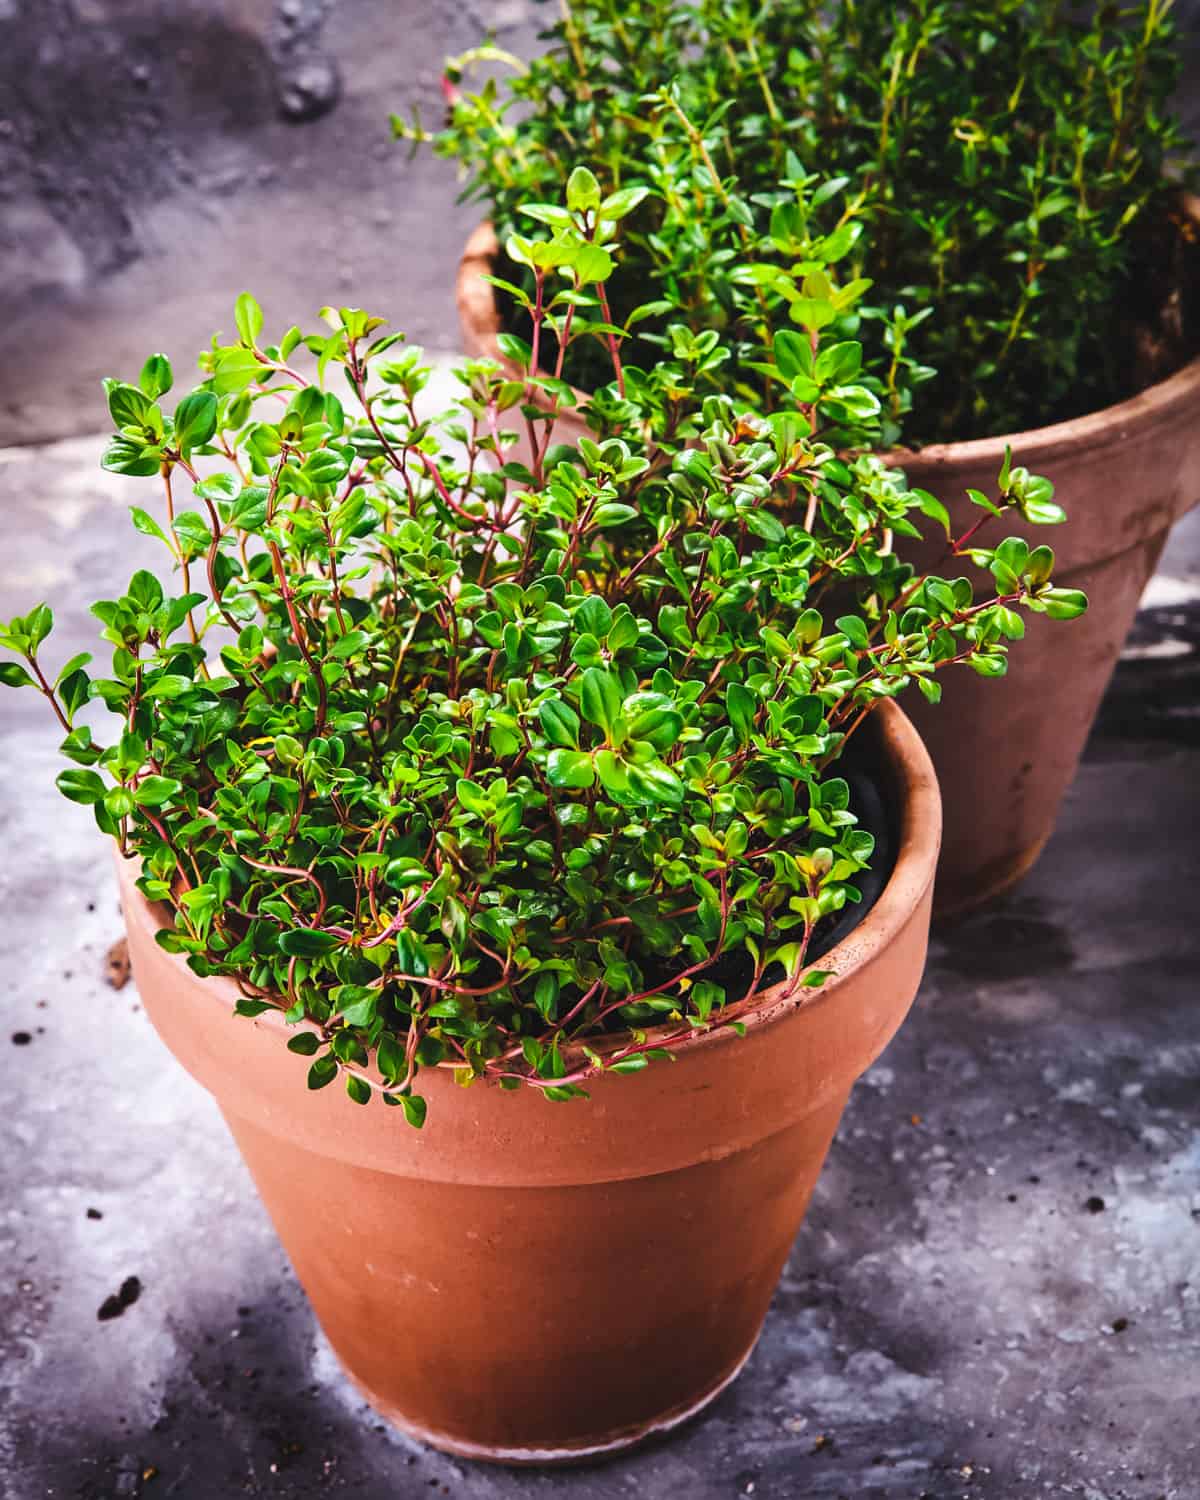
<point x="1006" y="751"/>
<point x="535" y="1282"/>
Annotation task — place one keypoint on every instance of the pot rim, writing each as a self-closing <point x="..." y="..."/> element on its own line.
<point x="914" y="792"/>
<point x="1106" y="424"/>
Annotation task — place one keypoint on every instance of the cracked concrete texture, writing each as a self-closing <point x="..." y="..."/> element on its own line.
<point x="995" y="1294"/>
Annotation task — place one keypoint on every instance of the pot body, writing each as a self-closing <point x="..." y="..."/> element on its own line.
<point x="532" y="1282"/>
<point x="1006" y="750"/>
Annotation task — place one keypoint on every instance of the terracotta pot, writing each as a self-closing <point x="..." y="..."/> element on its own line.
<point x="1006" y="751"/>
<point x="530" y="1282"/>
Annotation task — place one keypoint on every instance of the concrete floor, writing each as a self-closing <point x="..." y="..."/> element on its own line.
<point x="997" y="1290"/>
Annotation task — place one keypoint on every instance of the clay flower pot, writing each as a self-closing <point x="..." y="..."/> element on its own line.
<point x="1006" y="751"/>
<point x="530" y="1282"/>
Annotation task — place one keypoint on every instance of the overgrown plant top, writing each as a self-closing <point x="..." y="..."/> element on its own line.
<point x="1007" y="158"/>
<point x="528" y="773"/>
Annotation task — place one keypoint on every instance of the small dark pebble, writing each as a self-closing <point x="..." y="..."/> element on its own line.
<point x="1119" y="1325"/>
<point x="21" y="1038"/>
<point x="1094" y="1205"/>
<point x="94" y="1213"/>
<point x="112" y="1307"/>
<point x="1012" y="1197"/>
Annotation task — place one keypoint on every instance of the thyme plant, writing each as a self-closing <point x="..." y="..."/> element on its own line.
<point x="524" y="772"/>
<point x="1008" y="160"/>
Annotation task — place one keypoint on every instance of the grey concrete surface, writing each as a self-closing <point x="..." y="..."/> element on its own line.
<point x="159" y="156"/>
<point x="996" y="1294"/>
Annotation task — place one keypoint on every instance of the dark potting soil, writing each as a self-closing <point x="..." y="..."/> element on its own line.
<point x="1161" y="313"/>
<point x="867" y="801"/>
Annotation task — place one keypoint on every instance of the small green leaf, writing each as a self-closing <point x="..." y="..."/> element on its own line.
<point x="741" y="705"/>
<point x="570" y="770"/>
<point x="793" y="354"/>
<point x="249" y="318"/>
<point x="623" y="202"/>
<point x="583" y="191"/>
<point x="304" y="942"/>
<point x="930" y="506"/>
<point x="155" y="379"/>
<point x="600" y="698"/>
<point x="560" y="723"/>
<point x="81" y="786"/>
<point x="612" y="515"/>
<point x="127" y="405"/>
<point x="323" y="1071"/>
<point x="633" y="1064"/>
<point x="12" y="675"/>
<point x="473" y="798"/>
<point x="854" y="628"/>
<point x="657" y="784"/>
<point x="358" y="1088"/>
<point x="414" y="1109"/>
<point x="153" y="791"/>
<point x="147" y="525"/>
<point x="1064" y="604"/>
<point x="195" y="420"/>
<point x="659" y="727"/>
<point x="252" y="1008"/>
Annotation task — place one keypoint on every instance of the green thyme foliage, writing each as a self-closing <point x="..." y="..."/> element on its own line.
<point x="1006" y="158"/>
<point x="524" y="772"/>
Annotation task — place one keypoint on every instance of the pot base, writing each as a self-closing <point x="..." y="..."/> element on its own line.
<point x="557" y="1457"/>
<point x="960" y="899"/>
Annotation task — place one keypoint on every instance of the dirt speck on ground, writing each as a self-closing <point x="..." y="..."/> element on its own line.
<point x="113" y="1306"/>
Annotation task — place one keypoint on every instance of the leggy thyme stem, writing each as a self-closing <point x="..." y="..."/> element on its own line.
<point x="48" y="692"/>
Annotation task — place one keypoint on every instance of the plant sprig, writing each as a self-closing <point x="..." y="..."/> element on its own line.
<point x="998" y="173"/>
<point x="524" y="772"/>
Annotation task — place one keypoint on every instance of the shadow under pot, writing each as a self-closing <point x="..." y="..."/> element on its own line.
<point x="474" y="1277"/>
<point x="1006" y="751"/>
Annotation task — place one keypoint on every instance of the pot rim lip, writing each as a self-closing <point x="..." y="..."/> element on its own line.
<point x="910" y="882"/>
<point x="1146" y="406"/>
